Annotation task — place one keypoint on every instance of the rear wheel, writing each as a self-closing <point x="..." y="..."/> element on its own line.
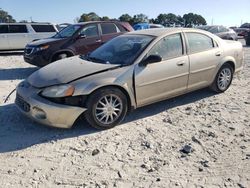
<point x="106" y="108"/>
<point x="223" y="79"/>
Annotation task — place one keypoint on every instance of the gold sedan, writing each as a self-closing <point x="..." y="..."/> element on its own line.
<point x="130" y="71"/>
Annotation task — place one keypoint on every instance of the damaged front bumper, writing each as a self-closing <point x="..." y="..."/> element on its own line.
<point x="43" y="110"/>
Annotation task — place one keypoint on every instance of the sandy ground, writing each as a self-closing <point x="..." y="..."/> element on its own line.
<point x="144" y="151"/>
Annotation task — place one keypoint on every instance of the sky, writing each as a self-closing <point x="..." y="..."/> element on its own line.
<point x="217" y="12"/>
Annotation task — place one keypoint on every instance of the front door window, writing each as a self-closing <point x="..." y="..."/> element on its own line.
<point x="89" y="31"/>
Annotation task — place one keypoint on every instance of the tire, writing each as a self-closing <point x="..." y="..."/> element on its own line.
<point x="61" y="56"/>
<point x="223" y="79"/>
<point x="100" y="108"/>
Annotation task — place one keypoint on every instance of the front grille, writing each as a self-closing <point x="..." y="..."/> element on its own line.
<point x="28" y="50"/>
<point x="22" y="104"/>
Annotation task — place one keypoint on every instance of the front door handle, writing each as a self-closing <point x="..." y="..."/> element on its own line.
<point x="98" y="41"/>
<point x="180" y="63"/>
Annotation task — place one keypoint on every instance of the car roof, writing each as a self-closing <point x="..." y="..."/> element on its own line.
<point x="33" y="23"/>
<point x="110" y="21"/>
<point x="144" y="23"/>
<point x="162" y="31"/>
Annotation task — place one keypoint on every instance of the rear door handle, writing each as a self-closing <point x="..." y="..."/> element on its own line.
<point x="218" y="53"/>
<point x="180" y="63"/>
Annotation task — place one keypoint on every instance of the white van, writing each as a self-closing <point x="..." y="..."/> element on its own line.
<point x="15" y="36"/>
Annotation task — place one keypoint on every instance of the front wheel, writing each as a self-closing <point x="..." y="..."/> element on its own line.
<point x="106" y="108"/>
<point x="223" y="79"/>
<point x="61" y="56"/>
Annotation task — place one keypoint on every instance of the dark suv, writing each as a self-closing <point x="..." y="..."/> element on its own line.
<point x="75" y="39"/>
<point x="247" y="38"/>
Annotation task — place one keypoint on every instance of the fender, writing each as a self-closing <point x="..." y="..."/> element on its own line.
<point x="222" y="62"/>
<point x="120" y="79"/>
<point x="226" y="59"/>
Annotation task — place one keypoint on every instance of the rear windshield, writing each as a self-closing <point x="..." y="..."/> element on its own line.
<point x="245" y="25"/>
<point x="43" y="28"/>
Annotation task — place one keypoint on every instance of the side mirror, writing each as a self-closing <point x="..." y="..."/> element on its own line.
<point x="150" y="59"/>
<point x="81" y="36"/>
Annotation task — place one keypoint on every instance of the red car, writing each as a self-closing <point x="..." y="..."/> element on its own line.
<point x="80" y="38"/>
<point x="243" y="29"/>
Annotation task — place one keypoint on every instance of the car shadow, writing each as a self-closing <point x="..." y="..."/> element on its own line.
<point x="18" y="132"/>
<point x="16" y="73"/>
<point x="11" y="53"/>
<point x="165" y="105"/>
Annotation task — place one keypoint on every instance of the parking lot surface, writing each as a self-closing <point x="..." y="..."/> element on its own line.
<point x="199" y="139"/>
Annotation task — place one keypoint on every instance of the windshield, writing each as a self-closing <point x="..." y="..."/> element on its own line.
<point x="67" y="31"/>
<point x="211" y="29"/>
<point x="204" y="27"/>
<point x="121" y="50"/>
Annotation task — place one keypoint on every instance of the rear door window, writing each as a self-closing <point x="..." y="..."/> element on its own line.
<point x="43" y="28"/>
<point x="108" y="28"/>
<point x="199" y="42"/>
<point x="3" y="28"/>
<point x="18" y="29"/>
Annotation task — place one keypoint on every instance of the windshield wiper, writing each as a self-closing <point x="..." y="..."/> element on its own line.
<point x="95" y="59"/>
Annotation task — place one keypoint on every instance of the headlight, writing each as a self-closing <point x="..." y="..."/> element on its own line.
<point x="42" y="48"/>
<point x="58" y="91"/>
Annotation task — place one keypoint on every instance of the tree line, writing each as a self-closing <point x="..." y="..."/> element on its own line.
<point x="5" y="17"/>
<point x="170" y="19"/>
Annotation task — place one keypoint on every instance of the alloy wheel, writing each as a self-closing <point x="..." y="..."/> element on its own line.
<point x="108" y="109"/>
<point x="224" y="78"/>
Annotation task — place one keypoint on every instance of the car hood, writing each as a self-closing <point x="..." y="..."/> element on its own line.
<point x="45" y="41"/>
<point x="65" y="71"/>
